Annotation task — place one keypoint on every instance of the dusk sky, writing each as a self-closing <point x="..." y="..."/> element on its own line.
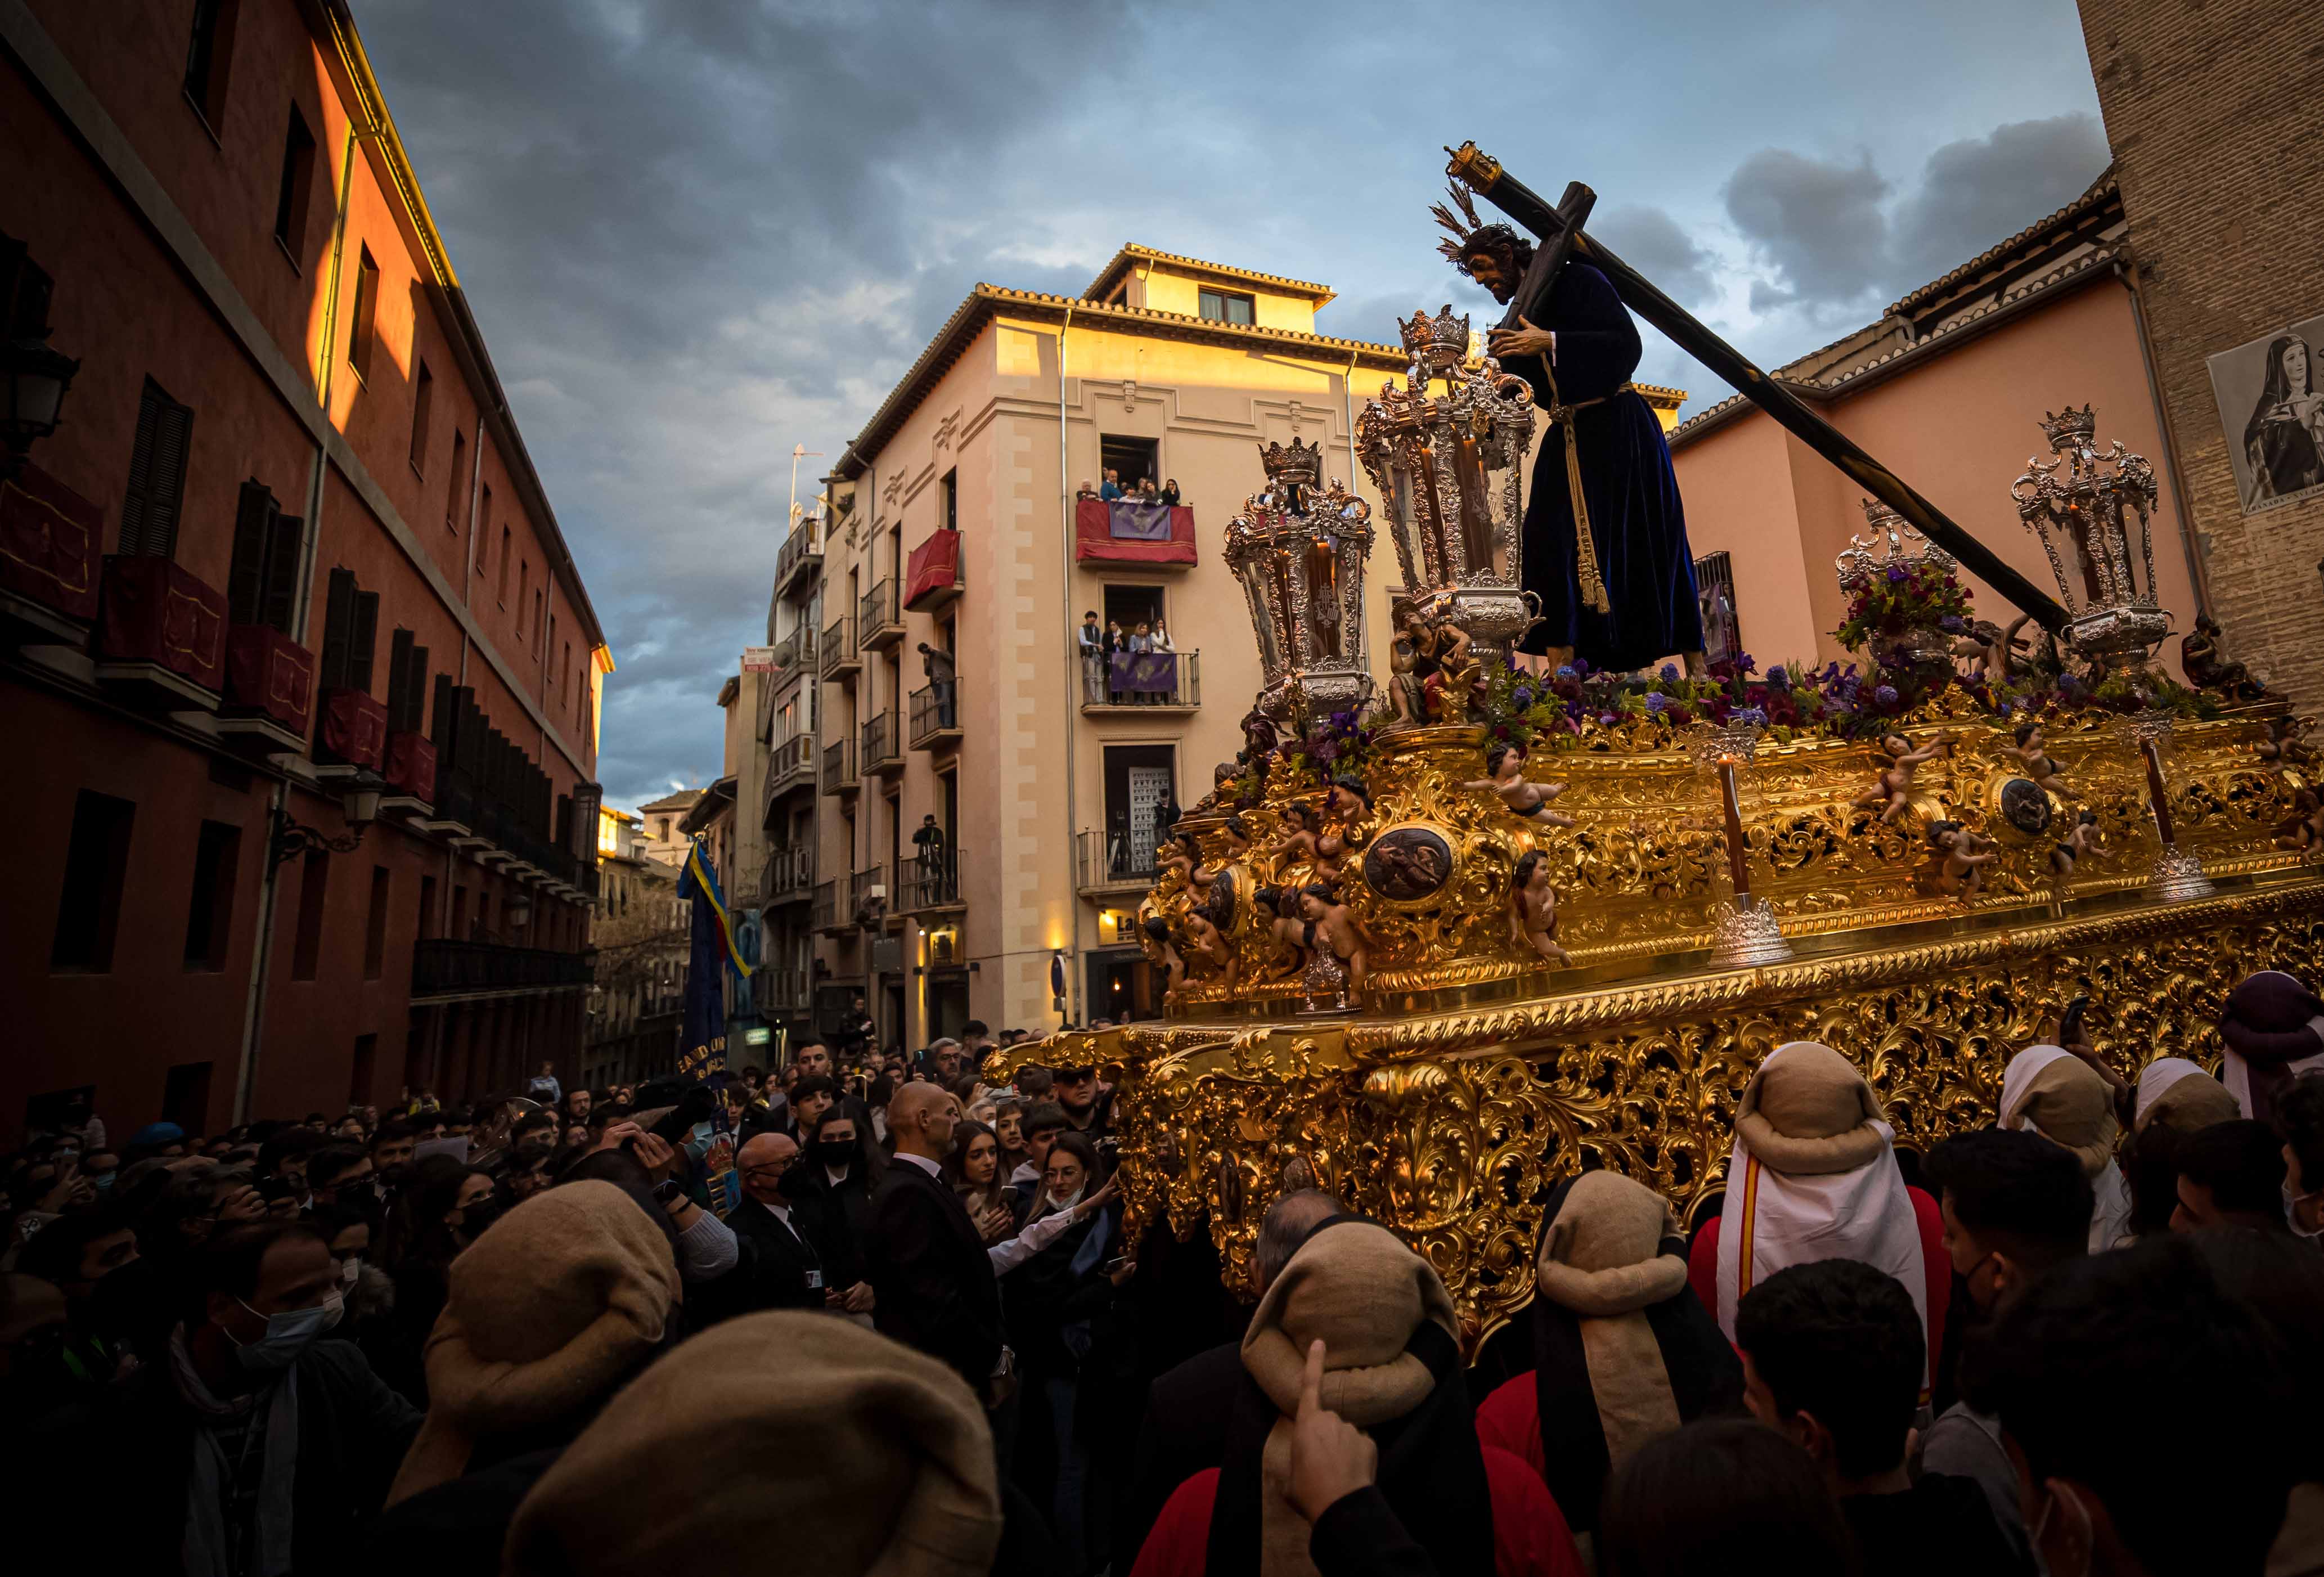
<point x="696" y="232"/>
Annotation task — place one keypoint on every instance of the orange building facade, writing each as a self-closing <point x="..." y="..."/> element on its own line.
<point x="302" y="677"/>
<point x="1948" y="388"/>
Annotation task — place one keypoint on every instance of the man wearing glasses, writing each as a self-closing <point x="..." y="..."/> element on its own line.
<point x="783" y="1265"/>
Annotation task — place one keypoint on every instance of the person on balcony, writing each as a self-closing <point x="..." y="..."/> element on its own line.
<point x="1090" y="641"/>
<point x="941" y="671"/>
<point x="1169" y="492"/>
<point x="1110" y="489"/>
<point x="929" y="843"/>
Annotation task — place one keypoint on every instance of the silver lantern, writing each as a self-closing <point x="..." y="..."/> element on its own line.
<point x="1299" y="548"/>
<point x="2080" y="505"/>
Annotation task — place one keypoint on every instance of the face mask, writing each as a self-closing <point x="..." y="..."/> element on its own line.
<point x="103" y="1181"/>
<point x="2291" y="1204"/>
<point x="834" y="1153"/>
<point x="350" y="1268"/>
<point x="476" y="1219"/>
<point x="288" y="1334"/>
<point x="1070" y="1200"/>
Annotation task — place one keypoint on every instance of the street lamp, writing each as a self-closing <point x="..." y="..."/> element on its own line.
<point x="291" y="839"/>
<point x="33" y="378"/>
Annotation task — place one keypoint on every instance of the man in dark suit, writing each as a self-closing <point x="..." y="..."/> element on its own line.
<point x="783" y="1265"/>
<point x="1185" y="1431"/>
<point x="933" y="1287"/>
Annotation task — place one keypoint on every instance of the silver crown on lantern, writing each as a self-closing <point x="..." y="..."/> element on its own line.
<point x="1891" y="541"/>
<point x="1451" y="468"/>
<point x="2081" y="504"/>
<point x="1300" y="549"/>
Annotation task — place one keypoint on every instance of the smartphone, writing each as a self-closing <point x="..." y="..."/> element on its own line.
<point x="2069" y="1028"/>
<point x="1116" y="1263"/>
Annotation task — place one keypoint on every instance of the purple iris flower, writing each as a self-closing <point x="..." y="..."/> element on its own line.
<point x="1885" y="695"/>
<point x="1895" y="575"/>
<point x="1657" y="701"/>
<point x="1779" y="677"/>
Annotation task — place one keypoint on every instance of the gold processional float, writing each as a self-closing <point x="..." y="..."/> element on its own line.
<point x="1431" y="949"/>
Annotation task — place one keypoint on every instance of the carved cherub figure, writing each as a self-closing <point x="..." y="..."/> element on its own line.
<point x="2082" y="840"/>
<point x="1458" y="674"/>
<point x="1281" y="930"/>
<point x="2285" y="746"/>
<point x="1224" y="773"/>
<point x="2303" y="829"/>
<point x="1991" y="649"/>
<point x="2201" y="654"/>
<point x="1238" y="833"/>
<point x="1258" y="735"/>
<point x="1894" y="787"/>
<point x="1411" y="658"/>
<point x="1206" y="942"/>
<point x="2039" y="767"/>
<point x="1346" y="803"/>
<point x="1335" y="943"/>
<point x="1966" y="856"/>
<point x="1505" y="765"/>
<point x="1180" y="855"/>
<point x="1299" y="842"/>
<point x="1533" y="908"/>
<point x="1161" y="946"/>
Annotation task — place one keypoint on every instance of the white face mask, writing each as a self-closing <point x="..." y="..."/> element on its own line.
<point x="2291" y="1204"/>
<point x="1070" y="1200"/>
<point x="288" y="1334"/>
<point x="350" y="1268"/>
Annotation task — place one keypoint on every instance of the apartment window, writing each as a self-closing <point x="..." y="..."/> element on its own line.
<point x="484" y="530"/>
<point x="1714" y="589"/>
<point x="423" y="394"/>
<point x="363" y="327"/>
<point x="427" y="907"/>
<point x="297" y="186"/>
<point x="209" y="55"/>
<point x="1131" y="460"/>
<point x="359" y="1077"/>
<point x="407" y="684"/>
<point x="507" y="543"/>
<point x="1140" y="780"/>
<point x="950" y="497"/>
<point x="314" y="885"/>
<point x="523" y="592"/>
<point x="1133" y="606"/>
<point x="452" y="488"/>
<point x="536" y="623"/>
<point x="263" y="584"/>
<point x="209" y="915"/>
<point x="549" y="651"/>
<point x="157" y="475"/>
<point x="376" y="924"/>
<point x="1224" y="306"/>
<point x="350" y="633"/>
<point x="96" y="866"/>
<point x="565" y="672"/>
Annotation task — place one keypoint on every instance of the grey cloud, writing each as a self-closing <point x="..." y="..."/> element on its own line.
<point x="1817" y="224"/>
<point x="1650" y="241"/>
<point x="1980" y="190"/>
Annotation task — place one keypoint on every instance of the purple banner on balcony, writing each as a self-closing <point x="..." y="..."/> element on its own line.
<point x="1132" y="522"/>
<point x="1124" y="532"/>
<point x="1143" y="673"/>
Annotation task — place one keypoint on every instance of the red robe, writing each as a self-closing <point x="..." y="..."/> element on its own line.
<point x="1529" y="1534"/>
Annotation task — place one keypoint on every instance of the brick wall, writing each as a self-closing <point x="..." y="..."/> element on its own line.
<point x="2211" y="112"/>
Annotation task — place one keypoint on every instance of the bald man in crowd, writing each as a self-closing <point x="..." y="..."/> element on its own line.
<point x="933" y="1285"/>
<point x="784" y="1264"/>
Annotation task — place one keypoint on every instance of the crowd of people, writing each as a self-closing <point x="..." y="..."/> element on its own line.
<point x="879" y="1314"/>
<point x="1142" y="491"/>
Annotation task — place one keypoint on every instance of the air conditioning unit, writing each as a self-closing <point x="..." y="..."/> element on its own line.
<point x="876" y="893"/>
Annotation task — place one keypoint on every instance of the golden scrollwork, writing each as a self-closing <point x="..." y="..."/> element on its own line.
<point x="1473" y="1077"/>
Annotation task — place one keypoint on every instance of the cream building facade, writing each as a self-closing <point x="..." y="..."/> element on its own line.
<point x="1048" y="802"/>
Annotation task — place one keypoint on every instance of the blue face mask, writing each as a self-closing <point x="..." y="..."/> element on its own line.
<point x="103" y="1181"/>
<point x="288" y="1334"/>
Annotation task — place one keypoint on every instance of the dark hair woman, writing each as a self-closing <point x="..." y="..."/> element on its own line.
<point x="444" y="1205"/>
<point x="1058" y="1305"/>
<point x="2280" y="441"/>
<point x="832" y="1186"/>
<point x="973" y="1170"/>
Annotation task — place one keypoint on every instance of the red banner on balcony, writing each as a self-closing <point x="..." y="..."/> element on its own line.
<point x="354" y="727"/>
<point x="933" y="567"/>
<point x="412" y="763"/>
<point x="269" y="673"/>
<point x="1121" y="531"/>
<point x="50" y="541"/>
<point x="154" y="612"/>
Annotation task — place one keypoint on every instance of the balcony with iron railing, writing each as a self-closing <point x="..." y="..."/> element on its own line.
<point x="789" y="877"/>
<point x="790" y="765"/>
<point x="445" y="969"/>
<point x="840" y="657"/>
<point x="833" y="909"/>
<point x="880" y="616"/>
<point x="932" y="882"/>
<point x="784" y="991"/>
<point x="875" y="899"/>
<point x="839" y="767"/>
<point x="801" y="558"/>
<point x="796" y="653"/>
<point x="1148" y="684"/>
<point x="883" y="745"/>
<point x="1113" y="862"/>
<point x="936" y="715"/>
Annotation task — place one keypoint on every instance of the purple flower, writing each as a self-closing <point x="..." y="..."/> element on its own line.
<point x="1951" y="622"/>
<point x="1581" y="668"/>
<point x="1669" y="673"/>
<point x="1885" y="695"/>
<point x="1895" y="575"/>
<point x="1522" y="699"/>
<point x="1326" y="749"/>
<point x="1657" y="701"/>
<point x="1608" y="718"/>
<point x="1779" y="677"/>
<point x="1565" y="670"/>
<point x="1752" y="716"/>
<point x="1744" y="664"/>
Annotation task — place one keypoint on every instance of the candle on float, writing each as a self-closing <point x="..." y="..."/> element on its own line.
<point x="2157" y="794"/>
<point x="1738" y="866"/>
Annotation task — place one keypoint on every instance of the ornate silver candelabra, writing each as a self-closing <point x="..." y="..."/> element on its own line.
<point x="1451" y="468"/>
<point x="1299" y="548"/>
<point x="2079" y="504"/>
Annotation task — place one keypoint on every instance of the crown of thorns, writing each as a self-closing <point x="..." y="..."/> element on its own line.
<point x="1469" y="234"/>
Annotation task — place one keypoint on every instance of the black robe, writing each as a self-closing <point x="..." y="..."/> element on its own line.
<point x="1636" y="522"/>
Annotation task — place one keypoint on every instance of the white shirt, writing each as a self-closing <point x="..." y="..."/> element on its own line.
<point x="922" y="1162"/>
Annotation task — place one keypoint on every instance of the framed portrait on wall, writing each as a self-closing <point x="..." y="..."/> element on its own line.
<point x="2271" y="398"/>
